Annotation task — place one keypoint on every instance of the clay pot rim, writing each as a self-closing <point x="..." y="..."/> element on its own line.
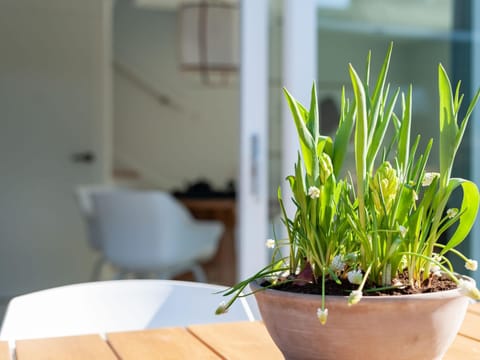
<point x="257" y="288"/>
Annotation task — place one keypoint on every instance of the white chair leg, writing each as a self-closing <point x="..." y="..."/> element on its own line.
<point x="121" y="274"/>
<point x="199" y="273"/>
<point x="163" y="275"/>
<point x="97" y="269"/>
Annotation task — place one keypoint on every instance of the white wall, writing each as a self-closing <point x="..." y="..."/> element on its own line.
<point x="53" y="104"/>
<point x="169" y="146"/>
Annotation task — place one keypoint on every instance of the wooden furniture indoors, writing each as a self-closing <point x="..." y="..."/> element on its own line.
<point x="222" y="269"/>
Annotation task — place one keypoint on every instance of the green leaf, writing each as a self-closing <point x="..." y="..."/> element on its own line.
<point x="448" y="125"/>
<point x="325" y="145"/>
<point x="307" y="144"/>
<point x="404" y="136"/>
<point x="464" y="123"/>
<point x="360" y="141"/>
<point x="343" y="134"/>
<point x="313" y="121"/>
<point x="381" y="129"/>
<point x="377" y="98"/>
<point x="468" y="211"/>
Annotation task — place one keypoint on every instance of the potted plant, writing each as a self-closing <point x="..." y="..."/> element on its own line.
<point x="367" y="273"/>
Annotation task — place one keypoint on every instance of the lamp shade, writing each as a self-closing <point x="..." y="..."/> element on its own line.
<point x="208" y="36"/>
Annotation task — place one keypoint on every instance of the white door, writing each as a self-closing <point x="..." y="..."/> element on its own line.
<point x="54" y="109"/>
<point x="253" y="195"/>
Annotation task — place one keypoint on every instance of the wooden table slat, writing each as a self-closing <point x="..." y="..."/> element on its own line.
<point x="474" y="308"/>
<point x="463" y="348"/>
<point x="471" y="326"/>
<point x="4" y="351"/>
<point x="65" y="348"/>
<point x="240" y="340"/>
<point x="168" y="343"/>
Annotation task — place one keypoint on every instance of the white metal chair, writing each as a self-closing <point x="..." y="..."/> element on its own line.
<point x="152" y="232"/>
<point x="118" y="305"/>
<point x="83" y="195"/>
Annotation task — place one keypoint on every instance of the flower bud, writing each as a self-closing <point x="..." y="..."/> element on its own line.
<point x="469" y="289"/>
<point x="355" y="277"/>
<point x="322" y="315"/>
<point x="326" y="167"/>
<point x="452" y="212"/>
<point x="435" y="270"/>
<point x="471" y="265"/>
<point x="221" y="309"/>
<point x="270" y="243"/>
<point x="354" y="297"/>
<point x="429" y="177"/>
<point x="403" y="230"/>
<point x="314" y="192"/>
<point x="337" y="264"/>
<point x="384" y="184"/>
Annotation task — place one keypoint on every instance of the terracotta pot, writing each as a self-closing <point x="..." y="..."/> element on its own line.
<point x="388" y="327"/>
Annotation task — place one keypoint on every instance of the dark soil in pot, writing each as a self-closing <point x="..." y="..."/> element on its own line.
<point x="433" y="284"/>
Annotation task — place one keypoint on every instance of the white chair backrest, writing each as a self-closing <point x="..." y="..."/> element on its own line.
<point x="121" y="305"/>
<point x="84" y="195"/>
<point x="150" y="229"/>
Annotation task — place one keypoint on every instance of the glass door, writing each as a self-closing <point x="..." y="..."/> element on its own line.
<point x="424" y="33"/>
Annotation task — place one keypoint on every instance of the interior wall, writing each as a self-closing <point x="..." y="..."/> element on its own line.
<point x="53" y="108"/>
<point x="191" y="131"/>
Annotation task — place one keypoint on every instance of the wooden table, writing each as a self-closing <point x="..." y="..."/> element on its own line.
<point x="243" y="340"/>
<point x="222" y="268"/>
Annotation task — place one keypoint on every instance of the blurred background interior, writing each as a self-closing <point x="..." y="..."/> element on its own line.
<point x="152" y="95"/>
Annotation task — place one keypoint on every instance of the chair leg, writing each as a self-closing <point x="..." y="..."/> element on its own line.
<point x="121" y="274"/>
<point x="199" y="273"/>
<point x="163" y="275"/>
<point x="97" y="269"/>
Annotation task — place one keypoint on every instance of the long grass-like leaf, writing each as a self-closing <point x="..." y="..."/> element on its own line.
<point x="377" y="98"/>
<point x="468" y="211"/>
<point x="307" y="143"/>
<point x="404" y="136"/>
<point x="360" y="142"/>
<point x="380" y="130"/>
<point x="448" y="125"/>
<point x="343" y="134"/>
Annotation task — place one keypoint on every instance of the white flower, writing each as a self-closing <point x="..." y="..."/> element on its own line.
<point x="415" y="195"/>
<point x="435" y="270"/>
<point x="471" y="264"/>
<point x="354" y="297"/>
<point x="397" y="283"/>
<point x="337" y="263"/>
<point x="314" y="192"/>
<point x="403" y="230"/>
<point x="451" y="213"/>
<point x="221" y="309"/>
<point x="351" y="257"/>
<point x="270" y="243"/>
<point x="469" y="289"/>
<point x="322" y="315"/>
<point x="355" y="276"/>
<point x="428" y="178"/>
